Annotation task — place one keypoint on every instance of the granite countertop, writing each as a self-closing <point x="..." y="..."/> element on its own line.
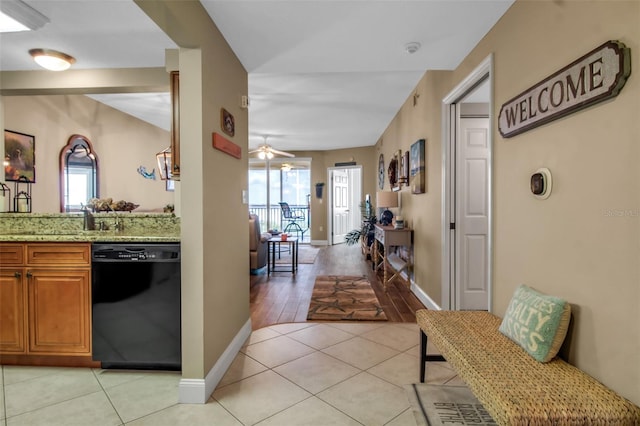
<point x="85" y="236"/>
<point x="68" y="227"/>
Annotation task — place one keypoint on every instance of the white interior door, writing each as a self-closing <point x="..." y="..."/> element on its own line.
<point x="472" y="214"/>
<point x="341" y="212"/>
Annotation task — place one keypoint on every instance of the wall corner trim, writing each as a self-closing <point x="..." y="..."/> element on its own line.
<point x="424" y="298"/>
<point x="198" y="391"/>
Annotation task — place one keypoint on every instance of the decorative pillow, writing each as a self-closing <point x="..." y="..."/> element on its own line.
<point x="536" y="322"/>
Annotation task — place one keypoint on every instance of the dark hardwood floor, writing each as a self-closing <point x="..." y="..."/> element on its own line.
<point x="284" y="298"/>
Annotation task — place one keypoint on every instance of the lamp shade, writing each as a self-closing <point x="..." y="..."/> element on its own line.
<point x="387" y="199"/>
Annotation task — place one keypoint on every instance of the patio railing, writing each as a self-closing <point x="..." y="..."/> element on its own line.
<point x="275" y="215"/>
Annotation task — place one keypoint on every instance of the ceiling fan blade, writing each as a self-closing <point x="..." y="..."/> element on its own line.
<point x="284" y="154"/>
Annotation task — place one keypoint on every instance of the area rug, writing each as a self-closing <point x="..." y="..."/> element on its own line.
<point x="342" y="297"/>
<point x="439" y="405"/>
<point x="306" y="254"/>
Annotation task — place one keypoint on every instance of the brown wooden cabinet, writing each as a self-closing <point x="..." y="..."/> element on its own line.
<point x="12" y="311"/>
<point x="45" y="299"/>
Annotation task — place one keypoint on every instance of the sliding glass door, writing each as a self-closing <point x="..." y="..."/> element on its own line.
<point x="280" y="180"/>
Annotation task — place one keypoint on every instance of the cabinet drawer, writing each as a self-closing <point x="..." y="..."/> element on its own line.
<point x="59" y="254"/>
<point x="11" y="254"/>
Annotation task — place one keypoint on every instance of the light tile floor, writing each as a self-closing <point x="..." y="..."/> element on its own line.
<point x="286" y="374"/>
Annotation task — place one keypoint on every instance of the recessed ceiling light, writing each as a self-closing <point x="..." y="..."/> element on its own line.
<point x="16" y="15"/>
<point x="52" y="59"/>
<point x="412" y="47"/>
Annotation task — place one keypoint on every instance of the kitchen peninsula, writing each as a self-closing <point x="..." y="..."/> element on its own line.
<point x="46" y="281"/>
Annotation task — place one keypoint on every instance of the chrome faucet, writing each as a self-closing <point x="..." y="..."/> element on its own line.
<point x="119" y="225"/>
<point x="89" y="223"/>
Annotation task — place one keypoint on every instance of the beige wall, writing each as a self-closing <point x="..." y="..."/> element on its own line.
<point x="215" y="279"/>
<point x="122" y="143"/>
<point x="320" y="162"/>
<point x="421" y="211"/>
<point x="582" y="243"/>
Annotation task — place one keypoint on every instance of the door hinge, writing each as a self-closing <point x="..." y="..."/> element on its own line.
<point x="452" y="226"/>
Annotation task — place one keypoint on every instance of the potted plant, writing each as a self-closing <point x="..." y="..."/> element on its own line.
<point x="365" y="233"/>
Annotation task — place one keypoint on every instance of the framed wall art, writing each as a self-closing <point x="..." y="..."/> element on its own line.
<point x="417" y="167"/>
<point x="227" y="122"/>
<point x="392" y="173"/>
<point x="404" y="168"/>
<point x="20" y="156"/>
<point x="175" y="125"/>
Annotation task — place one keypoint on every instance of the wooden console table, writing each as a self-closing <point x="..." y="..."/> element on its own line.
<point x="389" y="237"/>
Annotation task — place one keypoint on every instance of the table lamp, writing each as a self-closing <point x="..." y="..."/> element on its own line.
<point x="386" y="200"/>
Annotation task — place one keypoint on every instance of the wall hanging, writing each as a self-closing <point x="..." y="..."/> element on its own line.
<point x="227" y="122"/>
<point x="595" y="77"/>
<point x="381" y="172"/>
<point x="393" y="173"/>
<point x="417" y="167"/>
<point x="20" y="156"/>
<point x="145" y="174"/>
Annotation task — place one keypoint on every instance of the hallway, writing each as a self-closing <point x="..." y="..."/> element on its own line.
<point x="284" y="298"/>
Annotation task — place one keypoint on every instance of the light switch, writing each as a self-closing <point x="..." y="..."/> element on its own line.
<point x="244" y="197"/>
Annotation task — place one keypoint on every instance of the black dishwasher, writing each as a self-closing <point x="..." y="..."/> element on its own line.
<point x="136" y="305"/>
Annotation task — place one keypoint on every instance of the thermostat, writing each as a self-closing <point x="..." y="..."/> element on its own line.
<point x="541" y="183"/>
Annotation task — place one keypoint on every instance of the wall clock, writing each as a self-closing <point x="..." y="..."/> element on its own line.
<point x="381" y="172"/>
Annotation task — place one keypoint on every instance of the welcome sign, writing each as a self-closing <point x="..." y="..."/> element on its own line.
<point x="597" y="76"/>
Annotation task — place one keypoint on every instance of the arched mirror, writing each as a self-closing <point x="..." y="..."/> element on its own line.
<point x="78" y="174"/>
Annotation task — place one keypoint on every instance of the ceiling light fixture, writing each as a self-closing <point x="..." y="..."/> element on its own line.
<point x="16" y="15"/>
<point x="412" y="47"/>
<point x="266" y="151"/>
<point x="52" y="59"/>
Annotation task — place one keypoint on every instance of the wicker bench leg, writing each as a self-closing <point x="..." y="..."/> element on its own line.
<point x="424" y="357"/>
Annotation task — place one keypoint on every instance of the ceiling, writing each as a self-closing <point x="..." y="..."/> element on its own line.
<point x="322" y="74"/>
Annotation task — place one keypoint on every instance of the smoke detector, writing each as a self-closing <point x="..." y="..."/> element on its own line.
<point x="412" y="47"/>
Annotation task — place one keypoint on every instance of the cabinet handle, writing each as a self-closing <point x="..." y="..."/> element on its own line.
<point x="17" y="274"/>
<point x="29" y="274"/>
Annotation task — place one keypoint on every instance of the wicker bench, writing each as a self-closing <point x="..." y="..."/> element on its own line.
<point x="513" y="387"/>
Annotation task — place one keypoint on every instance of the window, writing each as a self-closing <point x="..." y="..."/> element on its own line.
<point x="289" y="180"/>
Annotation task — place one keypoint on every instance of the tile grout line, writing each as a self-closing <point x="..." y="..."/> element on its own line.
<point x="106" y="394"/>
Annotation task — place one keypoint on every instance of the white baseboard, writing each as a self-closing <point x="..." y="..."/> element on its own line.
<point x="198" y="391"/>
<point x="424" y="298"/>
<point x="319" y="243"/>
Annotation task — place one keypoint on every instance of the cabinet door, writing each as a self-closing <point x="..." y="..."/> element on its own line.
<point x="59" y="309"/>
<point x="12" y="313"/>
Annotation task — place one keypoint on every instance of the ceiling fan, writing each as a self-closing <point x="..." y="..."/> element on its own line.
<point x="266" y="151"/>
<point x="287" y="167"/>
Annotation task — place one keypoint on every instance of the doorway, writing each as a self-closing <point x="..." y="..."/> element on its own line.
<point x="467" y="197"/>
<point x="343" y="199"/>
